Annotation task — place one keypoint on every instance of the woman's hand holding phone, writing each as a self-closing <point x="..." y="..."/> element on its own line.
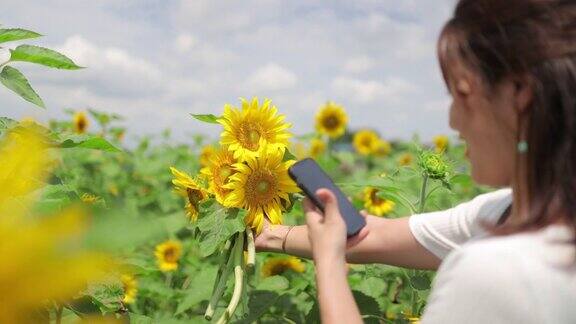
<point x="327" y="231"/>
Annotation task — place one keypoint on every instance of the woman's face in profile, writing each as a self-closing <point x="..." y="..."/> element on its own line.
<point x="486" y="121"/>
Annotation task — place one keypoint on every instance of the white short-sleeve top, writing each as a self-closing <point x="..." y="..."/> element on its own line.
<point x="520" y="278"/>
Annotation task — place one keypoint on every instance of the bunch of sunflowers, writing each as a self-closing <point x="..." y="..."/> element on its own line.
<point x="248" y="173"/>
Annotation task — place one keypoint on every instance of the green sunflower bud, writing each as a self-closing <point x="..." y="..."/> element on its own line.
<point x="434" y="166"/>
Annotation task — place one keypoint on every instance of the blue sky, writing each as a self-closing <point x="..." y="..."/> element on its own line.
<point x="154" y="61"/>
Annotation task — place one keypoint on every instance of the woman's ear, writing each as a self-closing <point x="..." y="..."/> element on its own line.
<point x="523" y="94"/>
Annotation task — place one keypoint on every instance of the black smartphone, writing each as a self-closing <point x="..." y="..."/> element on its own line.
<point x="310" y="177"/>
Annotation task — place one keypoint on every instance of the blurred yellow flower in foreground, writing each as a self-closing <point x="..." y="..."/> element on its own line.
<point x="331" y="120"/>
<point x="218" y="172"/>
<point x="188" y="188"/>
<point x="168" y="254"/>
<point x="248" y="130"/>
<point x="376" y="205"/>
<point x="366" y="141"/>
<point x="261" y="186"/>
<point x="80" y="121"/>
<point x="276" y="266"/>
<point x="43" y="258"/>
<point x="130" y="287"/>
<point x="317" y="147"/>
<point x="441" y="143"/>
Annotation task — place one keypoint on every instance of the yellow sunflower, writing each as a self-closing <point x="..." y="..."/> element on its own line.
<point x="130" y="287"/>
<point x="405" y="159"/>
<point x="248" y="130"/>
<point x="218" y="171"/>
<point x="278" y="265"/>
<point x="376" y="205"/>
<point x="168" y="254"/>
<point x="261" y="186"/>
<point x="441" y="143"/>
<point x="317" y="147"/>
<point x="331" y="120"/>
<point x="366" y="141"/>
<point x="188" y="188"/>
<point x="80" y="122"/>
<point x="383" y="148"/>
<point x="206" y="154"/>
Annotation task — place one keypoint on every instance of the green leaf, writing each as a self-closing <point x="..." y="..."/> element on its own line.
<point x="420" y="282"/>
<point x="207" y="118"/>
<point x="199" y="290"/>
<point x="94" y="143"/>
<point x="258" y="304"/>
<point x="273" y="283"/>
<point x="43" y="56"/>
<point x="216" y="228"/>
<point x="15" y="81"/>
<point x="289" y="156"/>
<point x="84" y="305"/>
<point x="6" y="124"/>
<point x="462" y="179"/>
<point x="13" y="34"/>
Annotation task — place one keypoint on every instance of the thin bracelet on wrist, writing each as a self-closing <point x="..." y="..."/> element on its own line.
<point x="285" y="239"/>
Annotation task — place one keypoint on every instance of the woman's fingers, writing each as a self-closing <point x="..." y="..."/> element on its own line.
<point x="331" y="210"/>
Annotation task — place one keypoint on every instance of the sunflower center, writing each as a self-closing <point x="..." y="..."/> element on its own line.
<point x="170" y="255"/>
<point x="375" y="199"/>
<point x="81" y="125"/>
<point x="249" y="136"/>
<point x="331" y="122"/>
<point x="367" y="141"/>
<point x="194" y="196"/>
<point x="278" y="268"/>
<point x="225" y="172"/>
<point x="261" y="187"/>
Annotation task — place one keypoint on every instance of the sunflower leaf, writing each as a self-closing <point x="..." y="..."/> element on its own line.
<point x="288" y="156"/>
<point x="216" y="227"/>
<point x="273" y="283"/>
<point x="14" y="34"/>
<point x="207" y="118"/>
<point x="17" y="82"/>
<point x="43" y="56"/>
<point x="94" y="143"/>
<point x="6" y="124"/>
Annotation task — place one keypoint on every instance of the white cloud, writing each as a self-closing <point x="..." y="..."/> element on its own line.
<point x="368" y="91"/>
<point x="85" y="53"/>
<point x="184" y="42"/>
<point x="271" y="77"/>
<point x="358" y="64"/>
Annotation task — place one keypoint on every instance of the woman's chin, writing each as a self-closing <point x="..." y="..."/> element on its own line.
<point x="489" y="179"/>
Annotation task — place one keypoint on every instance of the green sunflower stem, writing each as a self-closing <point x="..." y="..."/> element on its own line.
<point x="251" y="251"/>
<point x="224" y="256"/>
<point x="421" y="204"/>
<point x="226" y="267"/>
<point x="238" y="281"/>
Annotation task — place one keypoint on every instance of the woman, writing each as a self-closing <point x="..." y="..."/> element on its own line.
<point x="506" y="256"/>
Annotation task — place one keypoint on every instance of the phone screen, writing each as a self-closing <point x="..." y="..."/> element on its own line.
<point x="310" y="177"/>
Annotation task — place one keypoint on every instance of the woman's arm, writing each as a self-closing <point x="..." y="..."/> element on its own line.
<point x="389" y="241"/>
<point x="327" y="236"/>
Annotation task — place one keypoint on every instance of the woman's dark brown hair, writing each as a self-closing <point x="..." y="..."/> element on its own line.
<point x="535" y="39"/>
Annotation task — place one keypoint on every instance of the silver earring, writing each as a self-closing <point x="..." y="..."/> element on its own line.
<point x="522" y="147"/>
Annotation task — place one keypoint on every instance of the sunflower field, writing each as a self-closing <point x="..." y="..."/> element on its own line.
<point x="94" y="231"/>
